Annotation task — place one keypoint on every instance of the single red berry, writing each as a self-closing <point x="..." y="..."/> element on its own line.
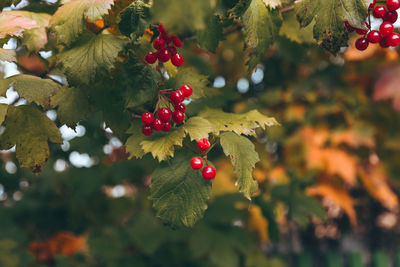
<point x="163" y="55"/>
<point x="186" y="90"/>
<point x="384" y="43"/>
<point x="181" y="95"/>
<point x="361" y="31"/>
<point x="166" y="126"/>
<point x="379" y="12"/>
<point x="151" y="57"/>
<point x="196" y="163"/>
<point x="175" y="97"/>
<point x="161" y="29"/>
<point x="393" y="39"/>
<point x="208" y="173"/>
<point x="362" y="43"/>
<point x="177" y="60"/>
<point x="146" y="130"/>
<point x="164" y="114"/>
<point x="147" y="118"/>
<point x="177" y="41"/>
<point x="374" y="37"/>
<point x="393" y="5"/>
<point x="178" y="116"/>
<point x="180" y="107"/>
<point x="348" y="26"/>
<point x="203" y="144"/>
<point x="157" y="124"/>
<point x="386" y="28"/>
<point x="158" y="43"/>
<point x="172" y="50"/>
<point x="391" y="16"/>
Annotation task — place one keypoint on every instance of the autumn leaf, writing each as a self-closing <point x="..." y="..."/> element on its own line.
<point x="12" y="24"/>
<point x="354" y="138"/>
<point x="387" y="86"/>
<point x="256" y="222"/>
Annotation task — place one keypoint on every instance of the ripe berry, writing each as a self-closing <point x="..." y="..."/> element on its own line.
<point x="374" y="37"/>
<point x="163" y="55"/>
<point x="177" y="41"/>
<point x="203" y="144"/>
<point x="166" y="126"/>
<point x="180" y="107"/>
<point x="146" y="130"/>
<point x="393" y="39"/>
<point x="172" y="50"/>
<point x="393" y="4"/>
<point x="157" y="124"/>
<point x="208" y="173"/>
<point x="181" y="95"/>
<point x="151" y="57"/>
<point x="386" y="28"/>
<point x="147" y="118"/>
<point x="361" y="31"/>
<point x="178" y="116"/>
<point x="164" y="114"/>
<point x="175" y="97"/>
<point x="379" y="12"/>
<point x="391" y="16"/>
<point x="348" y="26"/>
<point x="186" y="90"/>
<point x="384" y="43"/>
<point x="362" y="43"/>
<point x="158" y="43"/>
<point x="196" y="163"/>
<point x="161" y="29"/>
<point x="177" y="60"/>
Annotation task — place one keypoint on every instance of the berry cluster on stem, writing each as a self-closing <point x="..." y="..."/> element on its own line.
<point x="196" y="163"/>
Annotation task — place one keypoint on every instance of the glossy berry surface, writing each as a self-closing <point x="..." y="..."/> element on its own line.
<point x="177" y="60"/>
<point x="164" y="114"/>
<point x="203" y="144"/>
<point x="361" y="31"/>
<point x="393" y="39"/>
<point x="147" y="118"/>
<point x="158" y="43"/>
<point x="163" y="55"/>
<point x="186" y="90"/>
<point x="393" y="5"/>
<point x="374" y="37"/>
<point x="151" y="57"/>
<point x="196" y="163"/>
<point x="146" y="130"/>
<point x="386" y="28"/>
<point x="166" y="126"/>
<point x="175" y="97"/>
<point x="362" y="43"/>
<point x="208" y="173"/>
<point x="180" y="107"/>
<point x="391" y="16"/>
<point x="178" y="116"/>
<point x="157" y="124"/>
<point x="379" y="12"/>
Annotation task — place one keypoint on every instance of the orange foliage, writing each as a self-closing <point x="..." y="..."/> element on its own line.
<point x="256" y="222"/>
<point x="373" y="50"/>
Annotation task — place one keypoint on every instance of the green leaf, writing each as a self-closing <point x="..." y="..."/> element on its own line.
<point x="238" y="123"/>
<point x="32" y="88"/>
<point x="133" y="146"/>
<point x="261" y="26"/>
<point x="133" y="19"/>
<point x="241" y="7"/>
<point x="244" y="158"/>
<point x="198" y="128"/>
<point x="178" y="192"/>
<point x="210" y="37"/>
<point x="68" y="21"/>
<point x="31" y="131"/>
<point x="8" y="55"/>
<point x="3" y="112"/>
<point x="329" y="16"/>
<point x="73" y="105"/>
<point x="91" y="53"/>
<point x="161" y="145"/>
<point x="291" y="29"/>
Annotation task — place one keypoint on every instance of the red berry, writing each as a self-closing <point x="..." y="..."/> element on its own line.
<point x="178" y="116"/>
<point x="151" y="57"/>
<point x="163" y="55"/>
<point x="164" y="114"/>
<point x="180" y="107"/>
<point x="172" y="50"/>
<point x="161" y="29"/>
<point x="386" y="28"/>
<point x="393" y="39"/>
<point x="186" y="90"/>
<point x="175" y="97"/>
<point x="177" y="60"/>
<point x="146" y="130"/>
<point x="158" y="43"/>
<point x="166" y="126"/>
<point x="362" y="43"/>
<point x="384" y="43"/>
<point x="203" y="144"/>
<point x="196" y="163"/>
<point x="393" y="4"/>
<point x="391" y="16"/>
<point x="374" y="37"/>
<point x="157" y="124"/>
<point x="208" y="173"/>
<point x="361" y="31"/>
<point x="147" y="118"/>
<point x="177" y="41"/>
<point x="379" y="12"/>
<point x="348" y="26"/>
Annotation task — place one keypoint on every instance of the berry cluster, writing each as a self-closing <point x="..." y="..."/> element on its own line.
<point x="162" y="123"/>
<point x="166" y="47"/>
<point x="385" y="36"/>
<point x="196" y="163"/>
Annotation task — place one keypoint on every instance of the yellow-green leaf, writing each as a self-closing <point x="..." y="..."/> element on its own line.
<point x="198" y="128"/>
